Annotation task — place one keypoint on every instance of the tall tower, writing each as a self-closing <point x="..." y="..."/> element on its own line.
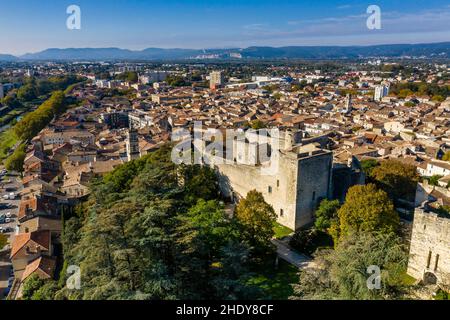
<point x="132" y="144"/>
<point x="216" y="79"/>
<point x="380" y="92"/>
<point x="348" y="104"/>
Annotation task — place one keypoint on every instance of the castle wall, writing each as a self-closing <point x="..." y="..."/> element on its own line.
<point x="313" y="185"/>
<point x="430" y="247"/>
<point x="294" y="190"/>
<point x="278" y="189"/>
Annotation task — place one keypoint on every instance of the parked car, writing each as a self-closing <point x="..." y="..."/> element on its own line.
<point x="2" y="219"/>
<point x="9" y="220"/>
<point x="5" y="229"/>
<point x="5" y="206"/>
<point x="8" y="215"/>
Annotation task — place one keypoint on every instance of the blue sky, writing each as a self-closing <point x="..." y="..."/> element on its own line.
<point x="33" y="25"/>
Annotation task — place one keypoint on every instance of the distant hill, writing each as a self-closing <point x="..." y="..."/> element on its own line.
<point x="430" y="50"/>
<point x="7" y="57"/>
<point x="339" y="52"/>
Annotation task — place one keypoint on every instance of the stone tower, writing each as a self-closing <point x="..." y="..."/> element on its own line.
<point x="348" y="104"/>
<point x="429" y="254"/>
<point x="132" y="144"/>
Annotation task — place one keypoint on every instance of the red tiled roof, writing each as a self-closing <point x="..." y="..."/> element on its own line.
<point x="39" y="238"/>
<point x="45" y="264"/>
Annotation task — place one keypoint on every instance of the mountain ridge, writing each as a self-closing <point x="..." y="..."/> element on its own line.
<point x="440" y="49"/>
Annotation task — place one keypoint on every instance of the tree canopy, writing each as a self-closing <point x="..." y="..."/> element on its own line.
<point x="3" y="241"/>
<point x="30" y="125"/>
<point x="366" y="209"/>
<point x="325" y="214"/>
<point x="446" y="156"/>
<point x="155" y="230"/>
<point x="257" y="218"/>
<point x="397" y="179"/>
<point x="344" y="273"/>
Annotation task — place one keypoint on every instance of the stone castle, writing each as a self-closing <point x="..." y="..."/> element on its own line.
<point x="429" y="257"/>
<point x="294" y="181"/>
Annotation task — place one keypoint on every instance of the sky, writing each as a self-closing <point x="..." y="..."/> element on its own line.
<point x="34" y="25"/>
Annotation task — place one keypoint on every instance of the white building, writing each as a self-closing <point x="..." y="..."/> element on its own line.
<point x="381" y="91"/>
<point x="153" y="76"/>
<point x="101" y="83"/>
<point x="436" y="168"/>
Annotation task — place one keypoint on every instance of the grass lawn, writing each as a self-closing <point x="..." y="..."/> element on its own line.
<point x="7" y="140"/>
<point x="281" y="231"/>
<point x="275" y="283"/>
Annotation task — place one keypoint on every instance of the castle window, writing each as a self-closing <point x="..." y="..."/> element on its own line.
<point x="436" y="262"/>
<point x="278" y="183"/>
<point x="281" y="212"/>
<point x="269" y="189"/>
<point x="429" y="259"/>
<point x="314" y="196"/>
<point x="424" y="227"/>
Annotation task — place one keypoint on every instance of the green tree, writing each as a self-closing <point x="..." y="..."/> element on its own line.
<point x="30" y="125"/>
<point x="438" y="98"/>
<point x="46" y="291"/>
<point x="130" y="76"/>
<point x="257" y="124"/>
<point x="32" y="284"/>
<point x="257" y="218"/>
<point x="11" y="102"/>
<point x="368" y="209"/>
<point x="200" y="182"/>
<point x="326" y="213"/>
<point x="27" y="92"/>
<point x="212" y="257"/>
<point x="405" y="93"/>
<point x="399" y="180"/>
<point x="343" y="273"/>
<point x="15" y="161"/>
<point x="446" y="156"/>
<point x="153" y="230"/>
<point x="277" y="95"/>
<point x="434" y="180"/>
<point x="309" y="240"/>
<point x="3" y="241"/>
<point x="368" y="165"/>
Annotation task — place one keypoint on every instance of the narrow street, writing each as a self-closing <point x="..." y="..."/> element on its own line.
<point x="10" y="183"/>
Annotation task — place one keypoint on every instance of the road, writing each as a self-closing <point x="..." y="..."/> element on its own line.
<point x="286" y="253"/>
<point x="10" y="183"/>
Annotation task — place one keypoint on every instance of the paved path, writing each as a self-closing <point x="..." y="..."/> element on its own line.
<point x="286" y="253"/>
